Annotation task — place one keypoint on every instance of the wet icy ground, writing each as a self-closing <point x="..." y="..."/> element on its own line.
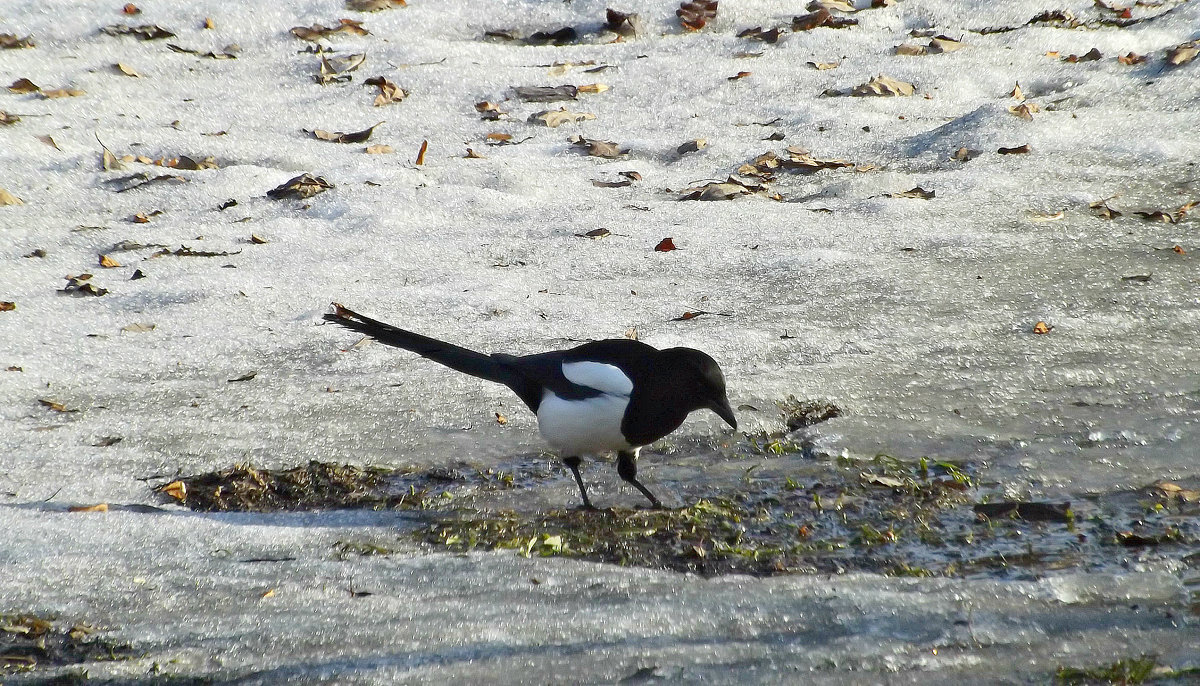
<point x="915" y="316"/>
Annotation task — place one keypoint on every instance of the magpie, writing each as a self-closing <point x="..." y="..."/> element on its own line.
<point x="615" y="394"/>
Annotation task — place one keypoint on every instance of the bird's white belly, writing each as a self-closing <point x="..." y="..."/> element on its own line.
<point x="582" y="427"/>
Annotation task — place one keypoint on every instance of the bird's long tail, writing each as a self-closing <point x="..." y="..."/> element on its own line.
<point x="453" y="356"/>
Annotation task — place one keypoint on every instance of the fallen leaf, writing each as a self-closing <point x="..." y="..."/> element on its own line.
<point x="622" y="23"/>
<point x="7" y="306"/>
<point x="1183" y="53"/>
<point x="1042" y="328"/>
<point x="1019" y="150"/>
<point x="692" y="146"/>
<point x="244" y="377"/>
<point x="339" y="137"/>
<point x="501" y="419"/>
<point x="337" y="69"/>
<point x="560" y="36"/>
<point x="665" y="245"/>
<point x="63" y="93"/>
<point x="916" y="192"/>
<point x="738" y="76"/>
<point x="10" y="41"/>
<point x="757" y="33"/>
<point x="126" y="70"/>
<point x="965" y="154"/>
<point x="1017" y="93"/>
<point x="99" y="507"/>
<point x="301" y="187"/>
<point x="1025" y="110"/>
<point x="54" y="405"/>
<point x="726" y="190"/>
<point x="1131" y="58"/>
<point x="131" y="8"/>
<point x="374" y="5"/>
<point x="138" y="327"/>
<point x="7" y="119"/>
<point x="316" y="32"/>
<point x="270" y="592"/>
<point x="821" y="17"/>
<point x="498" y="137"/>
<point x="544" y="93"/>
<point x="388" y="91"/>
<point x="936" y="46"/>
<point x="1178" y="250"/>
<point x="1047" y="216"/>
<point x="490" y="111"/>
<point x="108" y="262"/>
<point x="592" y="88"/>
<point x="24" y="86"/>
<point x="472" y="155"/>
<point x="824" y="66"/>
<point x="81" y="285"/>
<point x="175" y="489"/>
<point x="595" y="233"/>
<point x="597" y="148"/>
<point x="693" y="15"/>
<point x="378" y="150"/>
<point x="7" y="198"/>
<point x="421" y="153"/>
<point x="257" y="239"/>
<point x="1157" y="216"/>
<point x="143" y="32"/>
<point x="556" y="118"/>
<point x="884" y="86"/>
<point x="49" y="140"/>
<point x="1089" y="56"/>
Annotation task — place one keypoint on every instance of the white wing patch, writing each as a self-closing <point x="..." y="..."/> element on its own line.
<point x="605" y="378"/>
<point x="583" y="427"/>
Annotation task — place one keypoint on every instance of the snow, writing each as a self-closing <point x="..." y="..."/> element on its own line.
<point x="929" y="351"/>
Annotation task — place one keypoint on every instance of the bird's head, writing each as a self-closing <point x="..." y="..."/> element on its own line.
<point x="705" y="382"/>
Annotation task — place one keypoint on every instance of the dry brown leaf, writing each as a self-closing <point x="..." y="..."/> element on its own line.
<point x="1042" y="328"/>
<point x="694" y="14"/>
<point x="24" y="86"/>
<point x="595" y="233"/>
<point x="99" y="507"/>
<point x="316" y="32"/>
<point x="824" y="66"/>
<point x="108" y="262"/>
<point x="374" y="5"/>
<point x="597" y="148"/>
<point x="175" y="489"/>
<point x="1178" y="250"/>
<point x="131" y="8"/>
<point x="544" y="93"/>
<point x="339" y="137"/>
<point x="592" y="88"/>
<point x="379" y="149"/>
<point x="936" y="46"/>
<point x="63" y="93"/>
<point x="556" y="118"/>
<point x="421" y="153"/>
<point x="208" y="23"/>
<point x="757" y="33"/>
<point x="692" y="146"/>
<point x="1018" y="150"/>
<point x="1089" y="56"/>
<point x="1025" y="110"/>
<point x="54" y="405"/>
<point x="819" y="17"/>
<point x="472" y="155"/>
<point x="257" y="239"/>
<point x="501" y="419"/>
<point x="884" y="86"/>
<point x="7" y="119"/>
<point x="49" y="140"/>
<point x="301" y="187"/>
<point x="7" y="198"/>
<point x="738" y="76"/>
<point x="622" y="23"/>
<point x="1183" y="53"/>
<point x="1131" y="58"/>
<point x="126" y="70"/>
<point x="143" y="32"/>
<point x="1157" y="216"/>
<point x="388" y="91"/>
<point x="666" y="245"/>
<point x="7" y="306"/>
<point x="10" y="41"/>
<point x="270" y="592"/>
<point x="916" y="192"/>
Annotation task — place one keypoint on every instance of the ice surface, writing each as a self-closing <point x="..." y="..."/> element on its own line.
<point x="928" y="350"/>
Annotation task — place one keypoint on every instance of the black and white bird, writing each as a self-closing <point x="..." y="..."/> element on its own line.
<point x="610" y="395"/>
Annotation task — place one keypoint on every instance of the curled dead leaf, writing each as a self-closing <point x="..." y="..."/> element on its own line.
<point x="916" y="192"/>
<point x="665" y="245"/>
<point x="556" y="118"/>
<point x="388" y="91"/>
<point x="126" y="70"/>
<point x="316" y="32"/>
<point x="622" y="23"/>
<point x="176" y="489"/>
<point x="339" y="137"/>
<point x="108" y="262"/>
<point x="598" y="148"/>
<point x="63" y="93"/>
<point x="1089" y="56"/>
<point x="7" y="198"/>
<point x="7" y="306"/>
<point x="11" y="41"/>
<point x="694" y="14"/>
<point x="883" y="86"/>
<point x="7" y="119"/>
<point x="99" y="507"/>
<point x="1131" y="58"/>
<point x="421" y="153"/>
<point x="1025" y="110"/>
<point x="824" y="66"/>
<point x="378" y="149"/>
<point x="301" y="187"/>
<point x="1042" y="328"/>
<point x="692" y="146"/>
<point x="592" y="88"/>
<point x="1183" y="53"/>
<point x="1018" y="150"/>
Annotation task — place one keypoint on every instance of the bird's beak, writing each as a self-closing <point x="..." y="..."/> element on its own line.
<point x="724" y="411"/>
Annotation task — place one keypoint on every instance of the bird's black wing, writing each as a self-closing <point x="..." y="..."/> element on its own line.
<point x="496" y="368"/>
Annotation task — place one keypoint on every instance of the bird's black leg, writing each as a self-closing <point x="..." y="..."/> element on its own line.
<point x="573" y="464"/>
<point x="627" y="468"/>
